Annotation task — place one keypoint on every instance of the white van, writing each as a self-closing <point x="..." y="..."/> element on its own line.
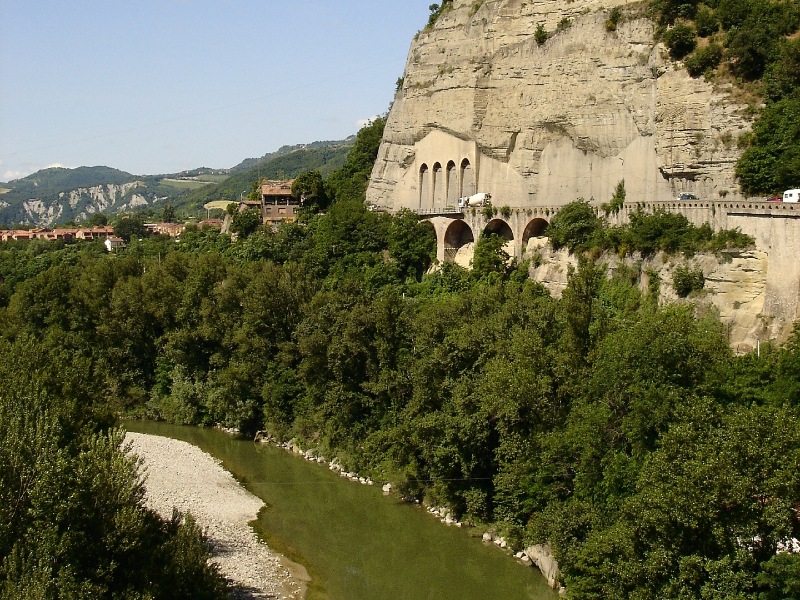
<point x="791" y="196"/>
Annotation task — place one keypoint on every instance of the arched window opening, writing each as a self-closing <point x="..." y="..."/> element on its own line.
<point x="438" y="185"/>
<point x="424" y="185"/>
<point x="452" y="184"/>
<point x="467" y="179"/>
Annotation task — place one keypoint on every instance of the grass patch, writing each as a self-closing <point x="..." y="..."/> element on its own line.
<point x="217" y="205"/>
<point x="184" y="184"/>
<point x="4" y="190"/>
<point x="213" y="178"/>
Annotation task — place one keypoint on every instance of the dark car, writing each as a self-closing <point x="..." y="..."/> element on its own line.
<point x="686" y="196"/>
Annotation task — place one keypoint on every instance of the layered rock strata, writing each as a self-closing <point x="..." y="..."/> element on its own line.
<point x="485" y="108"/>
<point x="735" y="286"/>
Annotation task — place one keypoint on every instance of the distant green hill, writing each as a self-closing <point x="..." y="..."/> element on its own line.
<point x="251" y="163"/>
<point x="57" y="195"/>
<point x="286" y="166"/>
<point x="58" y="179"/>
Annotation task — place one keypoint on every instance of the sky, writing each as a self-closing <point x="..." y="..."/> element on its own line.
<point x="161" y="86"/>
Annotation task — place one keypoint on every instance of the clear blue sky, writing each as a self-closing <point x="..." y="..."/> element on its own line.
<point x="158" y="86"/>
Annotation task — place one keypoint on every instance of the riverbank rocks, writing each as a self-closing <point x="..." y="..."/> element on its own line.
<point x="264" y="437"/>
<point x="542" y="556"/>
<point x="179" y="475"/>
<point x="228" y="430"/>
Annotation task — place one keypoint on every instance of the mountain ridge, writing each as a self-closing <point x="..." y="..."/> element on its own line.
<point x="59" y="194"/>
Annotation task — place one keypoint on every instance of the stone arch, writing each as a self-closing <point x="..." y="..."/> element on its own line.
<point x="438" y="185"/>
<point x="535" y="228"/>
<point x="457" y="235"/>
<point x="424" y="185"/>
<point x="452" y="184"/>
<point x="467" y="179"/>
<point x="501" y="228"/>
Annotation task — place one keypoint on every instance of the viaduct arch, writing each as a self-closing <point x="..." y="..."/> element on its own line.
<point x="457" y="233"/>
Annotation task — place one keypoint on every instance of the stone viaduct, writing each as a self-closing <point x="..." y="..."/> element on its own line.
<point x="774" y="225"/>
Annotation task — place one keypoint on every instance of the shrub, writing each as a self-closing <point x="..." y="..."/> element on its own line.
<point x="680" y="40"/>
<point x="749" y="49"/>
<point x="438" y="10"/>
<point x="614" y="17"/>
<point x="773" y="161"/>
<point x="506" y="211"/>
<point x="706" y="22"/>
<point x="564" y="23"/>
<point x="541" y="35"/>
<point x="490" y="255"/>
<point x="685" y="281"/>
<point x="783" y="76"/>
<point x="704" y="59"/>
<point x="246" y="222"/>
<point x="573" y="226"/>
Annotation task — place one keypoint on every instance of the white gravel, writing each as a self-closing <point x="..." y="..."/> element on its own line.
<point x="183" y="476"/>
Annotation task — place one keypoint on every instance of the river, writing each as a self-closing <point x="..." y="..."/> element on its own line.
<point x="356" y="543"/>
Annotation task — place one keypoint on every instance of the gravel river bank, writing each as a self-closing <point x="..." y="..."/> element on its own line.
<point x="183" y="476"/>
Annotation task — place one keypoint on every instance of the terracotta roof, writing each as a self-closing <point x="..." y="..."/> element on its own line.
<point x="277" y="188"/>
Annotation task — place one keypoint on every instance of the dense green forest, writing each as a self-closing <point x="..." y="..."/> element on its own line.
<point x="626" y="434"/>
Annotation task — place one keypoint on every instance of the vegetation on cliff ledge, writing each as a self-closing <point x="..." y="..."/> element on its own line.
<point x="752" y="43"/>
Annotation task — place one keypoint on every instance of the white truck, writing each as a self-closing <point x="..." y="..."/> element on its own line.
<point x="476" y="201"/>
<point x="791" y="196"/>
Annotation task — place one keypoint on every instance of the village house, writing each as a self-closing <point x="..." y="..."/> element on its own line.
<point x="278" y="205"/>
<point x="94" y="233"/>
<point x="171" y="229"/>
<point x="64" y="234"/>
<point x="213" y="223"/>
<point x="114" y="244"/>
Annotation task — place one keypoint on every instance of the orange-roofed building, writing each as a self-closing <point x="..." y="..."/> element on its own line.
<point x="278" y="203"/>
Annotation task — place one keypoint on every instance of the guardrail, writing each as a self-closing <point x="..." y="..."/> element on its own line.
<point x="444" y="212"/>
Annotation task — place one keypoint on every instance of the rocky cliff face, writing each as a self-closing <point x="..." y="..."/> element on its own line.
<point x="736" y="286"/>
<point x="81" y="203"/>
<point x="486" y="108"/>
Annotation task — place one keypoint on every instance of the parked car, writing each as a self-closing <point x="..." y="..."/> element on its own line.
<point x="775" y="199"/>
<point x="686" y="196"/>
<point x="791" y="196"/>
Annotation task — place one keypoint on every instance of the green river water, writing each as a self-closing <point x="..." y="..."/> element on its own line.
<point x="356" y="543"/>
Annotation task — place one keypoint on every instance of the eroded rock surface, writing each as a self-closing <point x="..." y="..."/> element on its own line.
<point x="735" y="285"/>
<point x="484" y="107"/>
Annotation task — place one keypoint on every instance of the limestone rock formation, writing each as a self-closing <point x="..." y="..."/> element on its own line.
<point x="81" y="203"/>
<point x="484" y="107"/>
<point x="735" y="286"/>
